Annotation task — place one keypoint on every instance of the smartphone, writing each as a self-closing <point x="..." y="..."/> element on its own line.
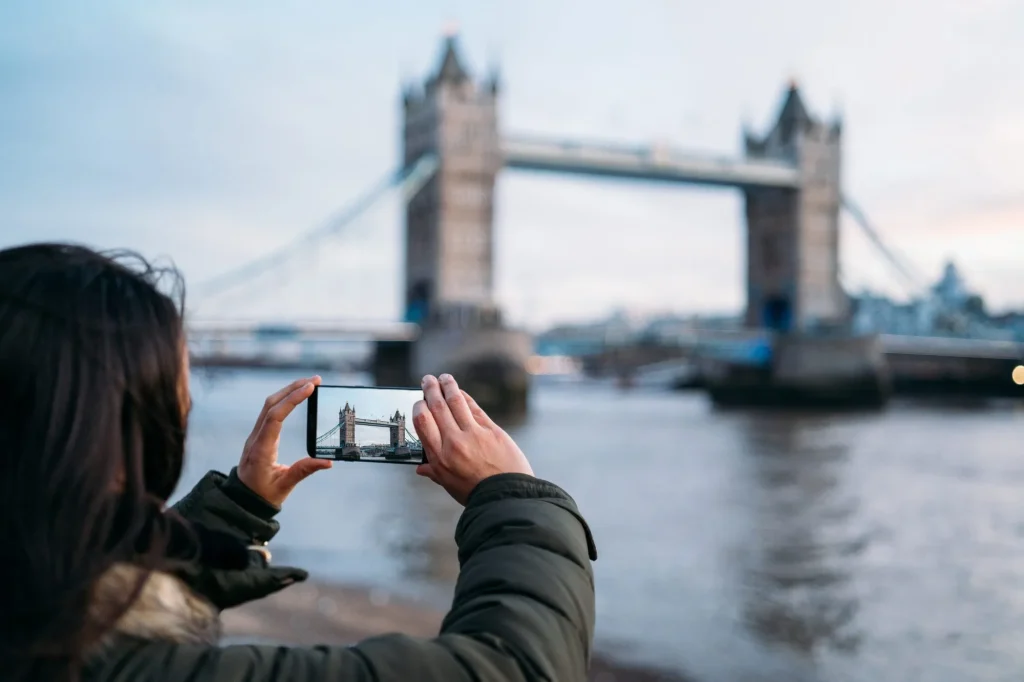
<point x="363" y="424"/>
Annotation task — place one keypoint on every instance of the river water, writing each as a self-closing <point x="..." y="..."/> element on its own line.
<point x="733" y="545"/>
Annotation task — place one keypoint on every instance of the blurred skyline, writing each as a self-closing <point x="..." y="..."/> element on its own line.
<point x="213" y="135"/>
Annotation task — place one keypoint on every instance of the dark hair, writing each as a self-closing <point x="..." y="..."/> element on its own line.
<point x="92" y="437"/>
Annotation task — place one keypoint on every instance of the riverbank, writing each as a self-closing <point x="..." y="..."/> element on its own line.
<point x="320" y="613"/>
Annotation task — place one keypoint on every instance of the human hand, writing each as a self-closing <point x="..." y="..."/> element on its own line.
<point x="259" y="468"/>
<point x="463" y="445"/>
<point x="229" y="574"/>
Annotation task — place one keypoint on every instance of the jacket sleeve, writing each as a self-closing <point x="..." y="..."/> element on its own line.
<point x="225" y="504"/>
<point x="523" y="608"/>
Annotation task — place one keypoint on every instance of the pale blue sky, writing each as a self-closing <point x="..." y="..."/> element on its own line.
<point x="211" y="132"/>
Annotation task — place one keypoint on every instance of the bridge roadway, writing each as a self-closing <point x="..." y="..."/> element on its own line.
<point x="731" y="340"/>
<point x="655" y="162"/>
<point x="373" y="422"/>
<point x="309" y="330"/>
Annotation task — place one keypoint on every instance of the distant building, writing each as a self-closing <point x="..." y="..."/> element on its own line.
<point x="951" y="289"/>
<point x="949" y="308"/>
<point x="623" y="328"/>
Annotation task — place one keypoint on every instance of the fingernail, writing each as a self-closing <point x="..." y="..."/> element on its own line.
<point x="417" y="408"/>
<point x="423" y="381"/>
<point x="446" y="377"/>
<point x="308" y="386"/>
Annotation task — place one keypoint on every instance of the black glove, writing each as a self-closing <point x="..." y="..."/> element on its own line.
<point x="228" y="573"/>
<point x="227" y="588"/>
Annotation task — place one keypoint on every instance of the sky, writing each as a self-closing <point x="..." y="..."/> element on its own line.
<point x="210" y="133"/>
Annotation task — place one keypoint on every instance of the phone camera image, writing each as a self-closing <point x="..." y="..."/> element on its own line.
<point x="360" y="424"/>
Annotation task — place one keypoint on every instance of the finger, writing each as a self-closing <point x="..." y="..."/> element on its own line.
<point x="228" y="589"/>
<point x="278" y="413"/>
<point x="289" y="575"/>
<point x="482" y="418"/>
<point x="456" y="403"/>
<point x="300" y="471"/>
<point x="438" y="407"/>
<point x="275" y="399"/>
<point x="427" y="471"/>
<point x="426" y="428"/>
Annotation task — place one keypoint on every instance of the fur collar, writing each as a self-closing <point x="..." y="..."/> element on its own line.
<point x="165" y="610"/>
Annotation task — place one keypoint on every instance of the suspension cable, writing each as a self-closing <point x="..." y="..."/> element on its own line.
<point x="411" y="179"/>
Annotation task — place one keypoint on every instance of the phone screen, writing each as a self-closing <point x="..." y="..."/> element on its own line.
<point x="362" y="424"/>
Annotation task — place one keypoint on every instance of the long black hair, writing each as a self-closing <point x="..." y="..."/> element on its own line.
<point x="93" y="411"/>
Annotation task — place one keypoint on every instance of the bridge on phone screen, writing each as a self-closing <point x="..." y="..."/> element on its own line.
<point x="340" y="441"/>
<point x="789" y="179"/>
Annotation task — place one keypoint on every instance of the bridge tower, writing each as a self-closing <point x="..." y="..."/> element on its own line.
<point x="449" y="249"/>
<point x="347" y="433"/>
<point x="397" y="430"/>
<point x="793" y="236"/>
<point x="449" y="246"/>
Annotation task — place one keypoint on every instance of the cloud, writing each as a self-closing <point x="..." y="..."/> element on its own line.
<point x="217" y="133"/>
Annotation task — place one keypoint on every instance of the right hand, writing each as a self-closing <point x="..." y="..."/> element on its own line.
<point x="258" y="468"/>
<point x="463" y="445"/>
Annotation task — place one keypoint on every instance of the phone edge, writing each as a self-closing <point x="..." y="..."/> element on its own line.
<point x="311" y="403"/>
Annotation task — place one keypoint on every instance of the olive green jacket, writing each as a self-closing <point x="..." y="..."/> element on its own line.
<point x="523" y="607"/>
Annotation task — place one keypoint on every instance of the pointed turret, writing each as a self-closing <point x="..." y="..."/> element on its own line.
<point x="452" y="70"/>
<point x="793" y="116"/>
<point x="493" y="83"/>
<point x="752" y="144"/>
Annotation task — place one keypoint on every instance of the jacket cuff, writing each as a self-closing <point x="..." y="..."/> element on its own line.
<point x="227" y="506"/>
<point x="526" y="487"/>
<point x="244" y="497"/>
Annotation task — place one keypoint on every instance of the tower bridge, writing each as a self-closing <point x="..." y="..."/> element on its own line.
<point x="340" y="441"/>
<point x="790" y="179"/>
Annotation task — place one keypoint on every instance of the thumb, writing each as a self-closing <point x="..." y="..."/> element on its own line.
<point x="259" y="583"/>
<point x="302" y="470"/>
<point x="287" y="575"/>
<point x="427" y="470"/>
<point x="227" y="589"/>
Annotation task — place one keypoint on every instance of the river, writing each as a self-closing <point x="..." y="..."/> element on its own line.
<point x="733" y="545"/>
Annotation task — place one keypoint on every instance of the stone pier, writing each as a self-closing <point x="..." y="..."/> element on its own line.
<point x="806" y="371"/>
<point x="488" y="362"/>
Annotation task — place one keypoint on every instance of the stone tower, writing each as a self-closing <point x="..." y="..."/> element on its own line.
<point x="347" y="419"/>
<point x="397" y="430"/>
<point x="449" y="247"/>
<point x="793" y="236"/>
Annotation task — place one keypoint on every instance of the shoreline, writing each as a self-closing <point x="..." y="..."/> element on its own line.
<point x="314" y="612"/>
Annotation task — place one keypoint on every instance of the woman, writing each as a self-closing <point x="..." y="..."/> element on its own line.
<point x="101" y="583"/>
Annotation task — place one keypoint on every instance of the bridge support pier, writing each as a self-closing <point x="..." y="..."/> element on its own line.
<point x="806" y="371"/>
<point x="489" y="364"/>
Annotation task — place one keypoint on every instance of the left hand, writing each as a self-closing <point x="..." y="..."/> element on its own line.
<point x="259" y="468"/>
